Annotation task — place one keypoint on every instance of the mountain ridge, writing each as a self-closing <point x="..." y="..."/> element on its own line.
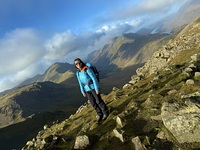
<point x="153" y="111"/>
<point x="60" y="71"/>
<point x="115" y="75"/>
<point x="27" y="100"/>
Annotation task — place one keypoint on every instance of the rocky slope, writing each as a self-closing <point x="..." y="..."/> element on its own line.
<point x="118" y="60"/>
<point x="124" y="56"/>
<point x="188" y="39"/>
<point x="33" y="97"/>
<point x="36" y="95"/>
<point x="128" y="50"/>
<point x="158" y="109"/>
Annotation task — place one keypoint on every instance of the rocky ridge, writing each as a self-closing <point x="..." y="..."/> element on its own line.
<point x="184" y="41"/>
<point x="158" y="109"/>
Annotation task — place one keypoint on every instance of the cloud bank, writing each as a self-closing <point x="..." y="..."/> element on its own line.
<point x="24" y="54"/>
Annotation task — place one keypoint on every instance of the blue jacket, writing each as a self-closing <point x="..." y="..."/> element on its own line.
<point x="87" y="80"/>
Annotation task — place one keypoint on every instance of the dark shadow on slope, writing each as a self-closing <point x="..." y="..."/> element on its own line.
<point x="63" y="67"/>
<point x="15" y="136"/>
<point x="130" y="49"/>
<point x="48" y="96"/>
<point x="116" y="77"/>
<point x="135" y="126"/>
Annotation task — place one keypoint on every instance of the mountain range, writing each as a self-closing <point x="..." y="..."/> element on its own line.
<point x="55" y="94"/>
<point x="158" y="108"/>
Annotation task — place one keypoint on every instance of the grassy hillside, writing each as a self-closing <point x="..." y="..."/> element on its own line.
<point x="15" y="135"/>
<point x="27" y="109"/>
<point x="136" y="110"/>
<point x="37" y="97"/>
<point x="138" y="104"/>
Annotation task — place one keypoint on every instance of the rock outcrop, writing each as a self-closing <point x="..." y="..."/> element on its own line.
<point x="184" y="41"/>
<point x="183" y="121"/>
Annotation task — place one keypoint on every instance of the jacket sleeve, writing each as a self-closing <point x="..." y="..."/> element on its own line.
<point x="94" y="80"/>
<point x="80" y="84"/>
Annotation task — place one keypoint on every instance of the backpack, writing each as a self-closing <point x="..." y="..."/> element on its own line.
<point x="96" y="72"/>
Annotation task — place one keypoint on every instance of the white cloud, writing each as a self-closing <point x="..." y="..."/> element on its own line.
<point x="68" y="44"/>
<point x="19" y="49"/>
<point x="24" y="54"/>
<point x="151" y="9"/>
<point x="121" y="27"/>
<point x="19" y="76"/>
<point x="161" y="4"/>
<point x="20" y="52"/>
<point x="59" y="45"/>
<point x="158" y="6"/>
<point x="118" y="29"/>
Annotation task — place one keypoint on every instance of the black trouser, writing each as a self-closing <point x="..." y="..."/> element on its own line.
<point x="97" y="102"/>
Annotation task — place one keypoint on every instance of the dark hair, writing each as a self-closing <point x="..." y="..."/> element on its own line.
<point x="78" y="59"/>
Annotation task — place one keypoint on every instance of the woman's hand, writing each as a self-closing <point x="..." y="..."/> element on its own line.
<point x="84" y="95"/>
<point x="97" y="92"/>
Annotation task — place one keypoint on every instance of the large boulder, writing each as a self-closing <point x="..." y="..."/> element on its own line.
<point x="183" y="121"/>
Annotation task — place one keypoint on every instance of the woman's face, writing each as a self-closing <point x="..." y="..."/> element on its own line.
<point x="78" y="64"/>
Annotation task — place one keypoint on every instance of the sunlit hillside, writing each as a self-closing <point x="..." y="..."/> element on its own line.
<point x="156" y="110"/>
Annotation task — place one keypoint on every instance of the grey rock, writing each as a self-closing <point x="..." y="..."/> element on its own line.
<point x="182" y="122"/>
<point x="190" y="81"/>
<point x="81" y="142"/>
<point x="119" y="134"/>
<point x="120" y="121"/>
<point x="195" y="57"/>
<point x="138" y="145"/>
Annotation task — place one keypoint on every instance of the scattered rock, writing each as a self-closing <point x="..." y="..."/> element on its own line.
<point x="29" y="143"/>
<point x="81" y="142"/>
<point x="195" y="57"/>
<point x="46" y="127"/>
<point x="120" y="121"/>
<point x="161" y="135"/>
<point x="171" y="92"/>
<point x="115" y="89"/>
<point x="119" y="134"/>
<point x="190" y="81"/>
<point x="137" y="143"/>
<point x="127" y="85"/>
<point x="197" y="75"/>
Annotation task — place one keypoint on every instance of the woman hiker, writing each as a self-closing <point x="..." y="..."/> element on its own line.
<point x="89" y="87"/>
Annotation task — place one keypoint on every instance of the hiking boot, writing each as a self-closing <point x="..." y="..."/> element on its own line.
<point x="99" y="119"/>
<point x="105" y="116"/>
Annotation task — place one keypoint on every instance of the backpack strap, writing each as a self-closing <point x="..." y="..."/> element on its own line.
<point x="84" y="68"/>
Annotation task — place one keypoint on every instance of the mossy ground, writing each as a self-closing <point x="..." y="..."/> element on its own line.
<point x="138" y="121"/>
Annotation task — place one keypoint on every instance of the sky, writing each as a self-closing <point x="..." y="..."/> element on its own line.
<point x="34" y="34"/>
